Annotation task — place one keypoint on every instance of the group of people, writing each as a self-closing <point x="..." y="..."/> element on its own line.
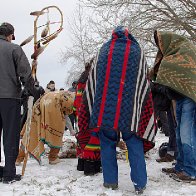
<point x="119" y="94"/>
<point x="49" y="111"/>
<point x="116" y="96"/>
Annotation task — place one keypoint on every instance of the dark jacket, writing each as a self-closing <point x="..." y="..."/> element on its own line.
<point x="14" y="70"/>
<point x="39" y="92"/>
<point x="170" y="93"/>
<point x="160" y="97"/>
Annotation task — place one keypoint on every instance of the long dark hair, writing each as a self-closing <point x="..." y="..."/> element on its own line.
<point x="84" y="75"/>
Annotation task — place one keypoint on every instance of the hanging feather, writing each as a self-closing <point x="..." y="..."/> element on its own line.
<point x="50" y="38"/>
<point x="37" y="52"/>
<point x="45" y="30"/>
<point x="37" y="13"/>
<point x="34" y="63"/>
<point x="34" y="68"/>
<point x="26" y="41"/>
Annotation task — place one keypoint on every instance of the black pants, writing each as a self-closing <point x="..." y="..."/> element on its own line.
<point x="164" y="122"/>
<point x="72" y="119"/>
<point x="172" y="133"/>
<point x="10" y="123"/>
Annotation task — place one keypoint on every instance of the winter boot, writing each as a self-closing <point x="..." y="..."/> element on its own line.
<point x="166" y="158"/>
<point x="80" y="166"/>
<point x="9" y="180"/>
<point x="139" y="191"/>
<point x="56" y="161"/>
<point x="89" y="168"/>
<point x="169" y="170"/>
<point x="1" y="173"/>
<point x="98" y="166"/>
<point x="113" y="186"/>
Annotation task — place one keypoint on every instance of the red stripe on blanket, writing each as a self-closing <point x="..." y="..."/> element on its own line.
<point x="122" y="82"/>
<point x="106" y="83"/>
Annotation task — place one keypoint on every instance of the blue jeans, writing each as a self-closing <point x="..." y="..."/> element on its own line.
<point x="108" y="141"/>
<point x="186" y="136"/>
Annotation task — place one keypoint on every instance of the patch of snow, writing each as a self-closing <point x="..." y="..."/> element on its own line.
<point x="64" y="180"/>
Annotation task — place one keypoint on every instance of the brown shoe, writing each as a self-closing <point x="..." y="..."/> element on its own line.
<point x="56" y="161"/>
<point x="166" y="158"/>
<point x="170" y="170"/>
<point x="182" y="177"/>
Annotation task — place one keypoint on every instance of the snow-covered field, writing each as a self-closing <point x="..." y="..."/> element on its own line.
<point x="63" y="180"/>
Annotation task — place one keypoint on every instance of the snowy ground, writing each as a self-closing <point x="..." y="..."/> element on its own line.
<point x="63" y="180"/>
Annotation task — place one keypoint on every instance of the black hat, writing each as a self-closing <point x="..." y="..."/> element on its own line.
<point x="7" y="29"/>
<point x="51" y="82"/>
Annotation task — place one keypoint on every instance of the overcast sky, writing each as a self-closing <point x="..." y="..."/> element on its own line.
<point x="17" y="13"/>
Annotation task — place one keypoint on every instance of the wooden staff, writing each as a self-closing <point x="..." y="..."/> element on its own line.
<point x="39" y="46"/>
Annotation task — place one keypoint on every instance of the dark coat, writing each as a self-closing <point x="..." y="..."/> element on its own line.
<point x="14" y="70"/>
<point x="160" y="97"/>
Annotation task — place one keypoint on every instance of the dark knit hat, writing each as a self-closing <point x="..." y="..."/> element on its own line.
<point x="7" y="29"/>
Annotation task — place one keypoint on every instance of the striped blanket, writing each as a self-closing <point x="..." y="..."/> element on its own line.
<point x="117" y="91"/>
<point x="88" y="141"/>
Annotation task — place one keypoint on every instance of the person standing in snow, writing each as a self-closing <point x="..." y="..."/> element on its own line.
<point x="123" y="103"/>
<point x="164" y="108"/>
<point x="73" y="88"/>
<point x="50" y="87"/>
<point x="175" y="67"/>
<point x="72" y="116"/>
<point x="14" y="70"/>
<point x="88" y="145"/>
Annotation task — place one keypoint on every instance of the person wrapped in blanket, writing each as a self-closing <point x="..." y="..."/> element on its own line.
<point x="175" y="70"/>
<point x="88" y="146"/>
<point x="47" y="126"/>
<point x="123" y="103"/>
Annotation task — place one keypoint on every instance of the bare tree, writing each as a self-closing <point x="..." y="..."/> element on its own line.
<point x="83" y="45"/>
<point x="142" y="17"/>
<point x="176" y="15"/>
